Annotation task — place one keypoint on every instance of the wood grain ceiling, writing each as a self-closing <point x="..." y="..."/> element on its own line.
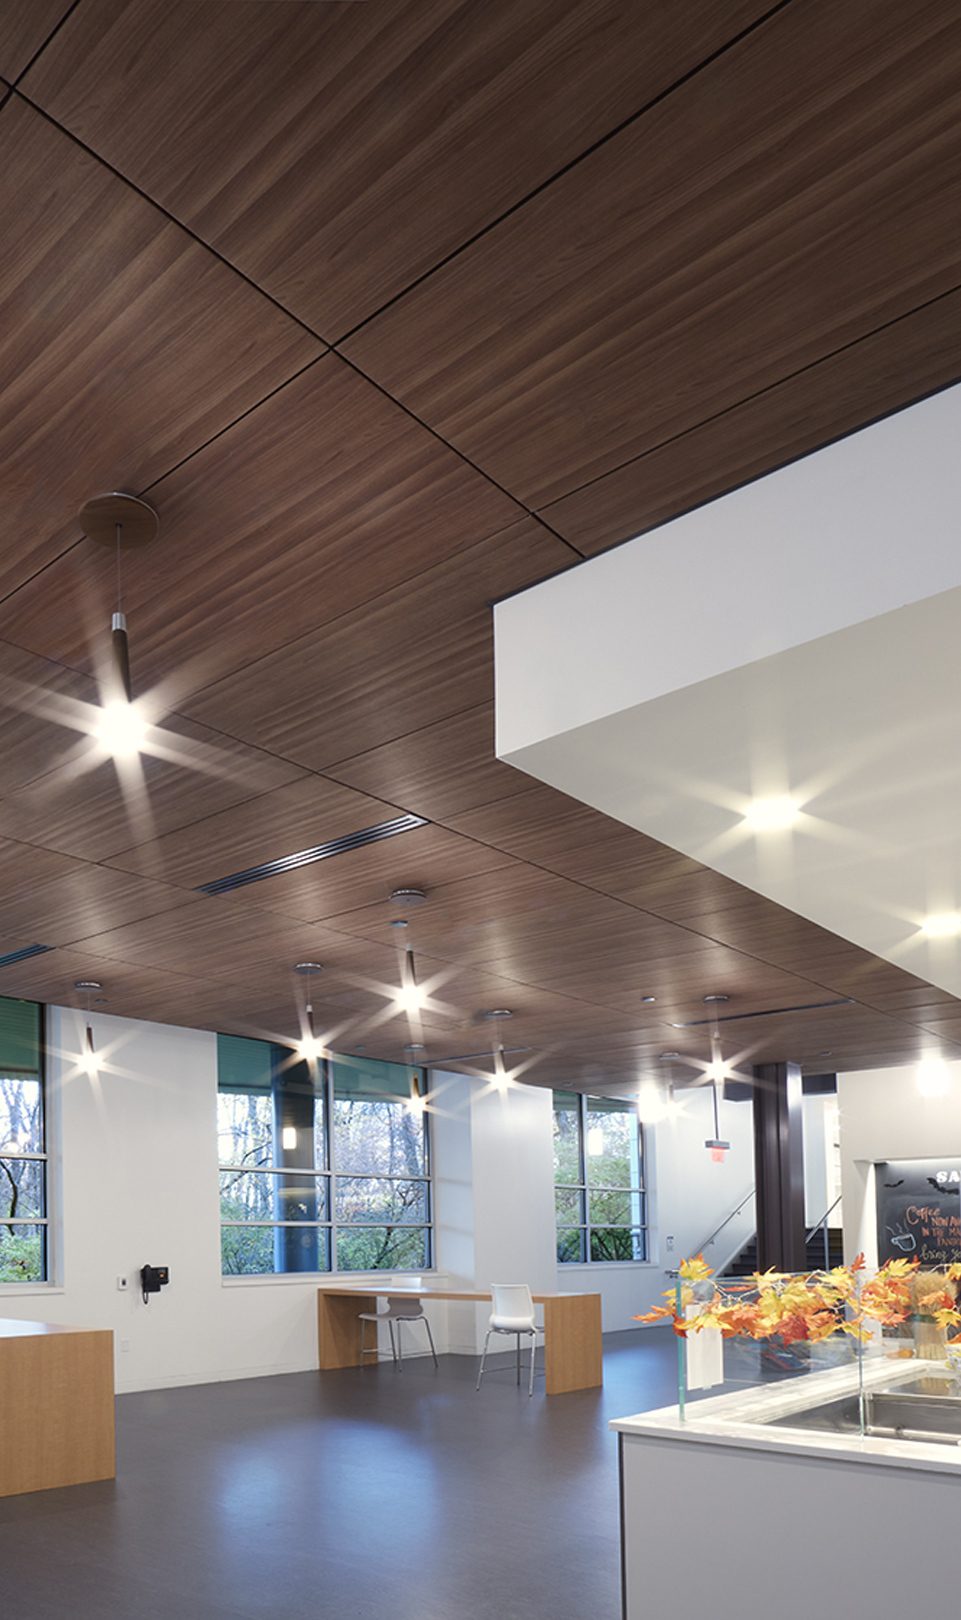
<point x="394" y="309"/>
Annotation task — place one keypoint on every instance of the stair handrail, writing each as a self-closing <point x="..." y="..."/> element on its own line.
<point x="818" y="1224"/>
<point x="699" y="1249"/>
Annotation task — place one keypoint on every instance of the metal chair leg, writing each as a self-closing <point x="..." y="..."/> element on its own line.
<point x="480" y="1373"/>
<point x="430" y="1340"/>
<point x="518" y="1359"/>
<point x="393" y="1346"/>
<point x="400" y="1341"/>
<point x="533" y="1354"/>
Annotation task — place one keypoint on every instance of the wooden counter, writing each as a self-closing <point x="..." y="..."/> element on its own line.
<point x="56" y="1406"/>
<point x="572" y="1327"/>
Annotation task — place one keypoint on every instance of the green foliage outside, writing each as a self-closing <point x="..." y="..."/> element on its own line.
<point x="379" y="1149"/>
<point x="598" y="1181"/>
<point x="22" y="1247"/>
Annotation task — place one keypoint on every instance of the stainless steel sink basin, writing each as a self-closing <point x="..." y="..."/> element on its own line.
<point x="895" y="1414"/>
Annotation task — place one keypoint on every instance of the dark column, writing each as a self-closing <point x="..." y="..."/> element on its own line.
<point x="296" y="1198"/>
<point x="779" y="1167"/>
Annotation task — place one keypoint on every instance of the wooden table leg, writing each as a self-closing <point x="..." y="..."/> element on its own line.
<point x="572" y="1343"/>
<point x="338" y="1329"/>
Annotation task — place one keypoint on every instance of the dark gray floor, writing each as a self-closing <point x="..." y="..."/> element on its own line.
<point x="368" y="1494"/>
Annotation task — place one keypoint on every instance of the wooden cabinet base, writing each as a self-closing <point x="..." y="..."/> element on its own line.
<point x="56" y="1406"/>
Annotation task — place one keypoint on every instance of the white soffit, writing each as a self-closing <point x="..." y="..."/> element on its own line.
<point x="801" y="637"/>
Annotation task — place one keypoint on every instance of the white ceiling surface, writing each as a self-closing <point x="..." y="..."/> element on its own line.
<point x="866" y="525"/>
<point x="822" y="661"/>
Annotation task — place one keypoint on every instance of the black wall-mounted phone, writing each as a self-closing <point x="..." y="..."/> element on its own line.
<point x="152" y="1279"/>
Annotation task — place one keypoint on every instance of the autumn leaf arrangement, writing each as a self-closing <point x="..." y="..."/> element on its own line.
<point x="810" y="1307"/>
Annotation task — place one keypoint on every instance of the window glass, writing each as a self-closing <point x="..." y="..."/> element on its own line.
<point x="382" y="1248"/>
<point x="23" y="1163"/>
<point x="612" y="1144"/>
<point x="600" y="1205"/>
<point x="284" y="1205"/>
<point x="567" y="1138"/>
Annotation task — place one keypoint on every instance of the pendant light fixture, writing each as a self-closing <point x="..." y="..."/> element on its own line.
<point x="409" y="996"/>
<point x="310" y="1047"/>
<point x="120" y="521"/>
<point x="88" y="1057"/>
<point x="416" y="1102"/>
<point x="717" y="1072"/>
<point x="500" y="1073"/>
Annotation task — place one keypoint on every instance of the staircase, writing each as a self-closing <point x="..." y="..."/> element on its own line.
<point x="744" y="1263"/>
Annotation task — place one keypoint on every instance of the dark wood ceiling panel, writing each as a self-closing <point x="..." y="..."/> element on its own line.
<point x="439" y="770"/>
<point x="55" y="904"/>
<point x="425" y="858"/>
<point x="766" y="213"/>
<point x="570" y="838"/>
<point x="763" y="260"/>
<point x="336" y="153"/>
<point x="550" y="829"/>
<point x="325" y="496"/>
<point x="124" y="344"/>
<point x="129" y="992"/>
<point x="24" y="27"/>
<point x="301" y="815"/>
<point x="416" y="655"/>
<point x="212" y="937"/>
<point x="890" y="368"/>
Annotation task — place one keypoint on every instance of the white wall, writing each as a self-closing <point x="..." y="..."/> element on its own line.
<point x="134" y="1181"/>
<point x="494" y="1169"/>
<point x="883" y="1116"/>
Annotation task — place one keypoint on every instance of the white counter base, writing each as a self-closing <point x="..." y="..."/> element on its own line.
<point x="723" y="1516"/>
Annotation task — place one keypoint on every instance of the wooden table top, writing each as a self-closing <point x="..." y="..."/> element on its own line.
<point x="12" y="1328"/>
<point x="430" y="1291"/>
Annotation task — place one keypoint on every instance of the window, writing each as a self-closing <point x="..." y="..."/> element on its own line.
<point x="322" y="1166"/>
<point x="600" y="1202"/>
<point x="23" y="1157"/>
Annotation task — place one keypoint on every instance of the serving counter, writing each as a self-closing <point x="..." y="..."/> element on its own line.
<point x="772" y="1501"/>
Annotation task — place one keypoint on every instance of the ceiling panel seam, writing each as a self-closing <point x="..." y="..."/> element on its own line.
<point x="71" y="8"/>
<point x="419" y="420"/>
<point x="167" y="473"/>
<point x="573" y="163"/>
<point x="748" y="399"/>
<point x="167" y="215"/>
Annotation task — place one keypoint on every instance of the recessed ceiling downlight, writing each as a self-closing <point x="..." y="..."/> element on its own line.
<point x="775" y="814"/>
<point x="498" y="1012"/>
<point x="942" y="925"/>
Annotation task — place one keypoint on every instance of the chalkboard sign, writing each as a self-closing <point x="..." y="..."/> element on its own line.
<point x="919" y="1210"/>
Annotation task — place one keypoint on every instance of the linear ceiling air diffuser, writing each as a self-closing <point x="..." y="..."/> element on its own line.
<point x="320" y="852"/>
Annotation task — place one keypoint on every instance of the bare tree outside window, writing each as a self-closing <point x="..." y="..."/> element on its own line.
<point x="23" y="1191"/>
<point x="600" y="1202"/>
<point x="344" y="1184"/>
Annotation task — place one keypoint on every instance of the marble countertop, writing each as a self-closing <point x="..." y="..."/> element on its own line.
<point x="743" y="1418"/>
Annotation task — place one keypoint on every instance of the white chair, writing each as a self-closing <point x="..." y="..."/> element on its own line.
<point x="400" y="1309"/>
<point x="513" y="1312"/>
